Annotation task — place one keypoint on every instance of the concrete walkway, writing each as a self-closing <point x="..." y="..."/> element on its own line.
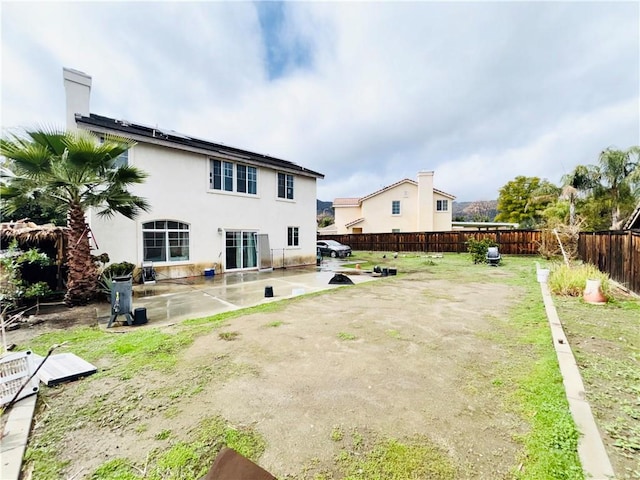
<point x="593" y="456"/>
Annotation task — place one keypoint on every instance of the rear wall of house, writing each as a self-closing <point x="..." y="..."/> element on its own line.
<point x="178" y="189"/>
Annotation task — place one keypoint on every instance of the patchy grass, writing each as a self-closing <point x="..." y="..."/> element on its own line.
<point x="346" y="336"/>
<point x="605" y="340"/>
<point x="228" y="336"/>
<point x="391" y="459"/>
<point x="277" y="323"/>
<point x="337" y="434"/>
<point x="529" y="385"/>
<point x="186" y="460"/>
<point x="394" y="334"/>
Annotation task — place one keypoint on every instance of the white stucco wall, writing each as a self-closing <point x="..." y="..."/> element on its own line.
<point x="377" y="210"/>
<point x="344" y="215"/>
<point x="178" y="189"/>
<point x="442" y="220"/>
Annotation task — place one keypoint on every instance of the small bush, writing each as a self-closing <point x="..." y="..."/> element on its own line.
<point x="33" y="255"/>
<point x="37" y="290"/>
<point x="572" y="280"/>
<point x="479" y="248"/>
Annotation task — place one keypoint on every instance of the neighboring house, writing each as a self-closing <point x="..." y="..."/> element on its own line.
<point x="405" y="206"/>
<point x="212" y="206"/>
<point x="328" y="230"/>
<point x="634" y="220"/>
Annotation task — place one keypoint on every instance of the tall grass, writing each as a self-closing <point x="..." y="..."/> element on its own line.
<point x="571" y="280"/>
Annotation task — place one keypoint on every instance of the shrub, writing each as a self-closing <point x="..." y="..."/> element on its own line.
<point x="33" y="255"/>
<point x="479" y="248"/>
<point x="572" y="280"/>
<point x="37" y="290"/>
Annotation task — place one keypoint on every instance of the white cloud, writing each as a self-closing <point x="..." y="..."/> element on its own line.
<point x="479" y="92"/>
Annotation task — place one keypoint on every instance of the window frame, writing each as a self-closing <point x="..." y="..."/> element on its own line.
<point x="232" y="177"/>
<point x="394" y="204"/>
<point x="167" y="232"/>
<point x="285" y="185"/>
<point x="442" y="203"/>
<point x="293" y="236"/>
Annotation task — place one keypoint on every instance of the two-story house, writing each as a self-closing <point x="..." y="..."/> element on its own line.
<point x="405" y="206"/>
<point x="212" y="206"/>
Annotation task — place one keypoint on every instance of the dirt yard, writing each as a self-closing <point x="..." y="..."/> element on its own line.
<point x="393" y="358"/>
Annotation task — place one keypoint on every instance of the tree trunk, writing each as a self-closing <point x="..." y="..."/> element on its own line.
<point x="82" y="280"/>
<point x="572" y="212"/>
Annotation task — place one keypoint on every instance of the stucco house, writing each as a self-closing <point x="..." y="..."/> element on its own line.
<point x="405" y="206"/>
<point x="212" y="206"/>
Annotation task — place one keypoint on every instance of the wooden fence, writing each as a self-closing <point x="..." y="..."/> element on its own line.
<point x="614" y="252"/>
<point x="514" y="242"/>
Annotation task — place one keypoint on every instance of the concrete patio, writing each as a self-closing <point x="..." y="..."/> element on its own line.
<point x="170" y="301"/>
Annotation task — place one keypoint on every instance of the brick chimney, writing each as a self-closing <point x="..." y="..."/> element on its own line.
<point x="77" y="88"/>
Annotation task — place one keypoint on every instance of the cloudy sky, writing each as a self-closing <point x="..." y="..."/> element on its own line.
<point x="367" y="93"/>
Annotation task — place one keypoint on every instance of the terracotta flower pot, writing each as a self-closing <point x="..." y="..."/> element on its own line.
<point x="593" y="293"/>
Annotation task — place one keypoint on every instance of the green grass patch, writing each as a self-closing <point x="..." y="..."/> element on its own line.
<point x="186" y="460"/>
<point x="117" y="469"/>
<point x="395" y="460"/>
<point x="550" y="446"/>
<point x="228" y="336"/>
<point x="337" y="433"/>
<point x="346" y="336"/>
<point x="394" y="334"/>
<point x="163" y="434"/>
<point x="274" y="324"/>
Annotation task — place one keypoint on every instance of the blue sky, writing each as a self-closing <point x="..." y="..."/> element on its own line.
<point x="367" y="93"/>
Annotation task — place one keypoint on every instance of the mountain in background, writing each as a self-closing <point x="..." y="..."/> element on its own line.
<point x="324" y="208"/>
<point x="480" y="211"/>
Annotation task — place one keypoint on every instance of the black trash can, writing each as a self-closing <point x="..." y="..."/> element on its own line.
<point x="268" y="292"/>
<point x="140" y="316"/>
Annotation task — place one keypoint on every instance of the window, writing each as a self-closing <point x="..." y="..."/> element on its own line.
<point x="285" y="186"/>
<point x="395" y="207"/>
<point x="227" y="175"/>
<point x="165" y="241"/>
<point x="122" y="160"/>
<point x="395" y="230"/>
<point x="292" y="237"/>
<point x="442" y="205"/>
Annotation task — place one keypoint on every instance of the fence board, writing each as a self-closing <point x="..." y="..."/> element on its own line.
<point x="616" y="253"/>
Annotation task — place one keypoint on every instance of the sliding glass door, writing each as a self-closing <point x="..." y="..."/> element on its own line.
<point x="241" y="250"/>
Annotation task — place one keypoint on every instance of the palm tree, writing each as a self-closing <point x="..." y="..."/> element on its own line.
<point x="618" y="170"/>
<point x="77" y="171"/>
<point x="582" y="179"/>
